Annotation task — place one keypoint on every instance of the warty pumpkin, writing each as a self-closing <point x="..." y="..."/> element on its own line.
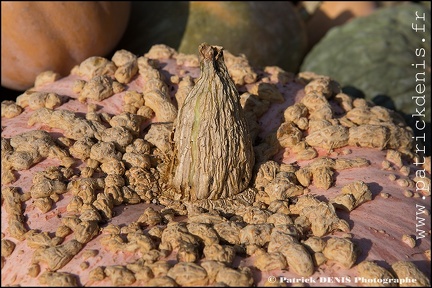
<point x="41" y="36"/>
<point x="332" y="174"/>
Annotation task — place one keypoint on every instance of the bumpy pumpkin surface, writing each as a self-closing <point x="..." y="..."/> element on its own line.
<point x="84" y="202"/>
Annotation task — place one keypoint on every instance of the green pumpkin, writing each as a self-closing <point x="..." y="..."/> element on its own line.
<point x="268" y="33"/>
<point x="376" y="57"/>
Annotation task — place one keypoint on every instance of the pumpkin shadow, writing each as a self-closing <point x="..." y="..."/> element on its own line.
<point x="342" y="214"/>
<point x="375" y="189"/>
<point x="385" y="101"/>
<point x="424" y="266"/>
<point x="154" y="22"/>
<point x="353" y="91"/>
<point x="364" y="246"/>
<point x="383" y="264"/>
<point x="9" y="94"/>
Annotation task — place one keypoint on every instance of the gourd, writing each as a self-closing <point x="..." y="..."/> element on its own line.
<point x="41" y="36"/>
<point x="379" y="57"/>
<point x="240" y="27"/>
<point x="114" y="217"/>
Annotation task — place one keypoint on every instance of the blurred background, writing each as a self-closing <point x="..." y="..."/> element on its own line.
<point x="369" y="47"/>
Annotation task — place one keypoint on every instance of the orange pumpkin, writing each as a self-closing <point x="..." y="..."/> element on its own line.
<point x="40" y="36"/>
<point x="334" y="13"/>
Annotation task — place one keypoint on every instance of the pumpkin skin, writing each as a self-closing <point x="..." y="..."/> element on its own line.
<point x="240" y="27"/>
<point x="41" y="36"/>
<point x="394" y="215"/>
<point x="224" y="22"/>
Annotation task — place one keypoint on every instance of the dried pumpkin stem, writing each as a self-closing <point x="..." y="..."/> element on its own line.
<point x="212" y="142"/>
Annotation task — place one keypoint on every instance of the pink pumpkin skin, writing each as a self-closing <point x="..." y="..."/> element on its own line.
<point x="377" y="226"/>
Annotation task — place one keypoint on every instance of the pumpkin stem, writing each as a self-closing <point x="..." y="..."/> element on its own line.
<point x="213" y="149"/>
